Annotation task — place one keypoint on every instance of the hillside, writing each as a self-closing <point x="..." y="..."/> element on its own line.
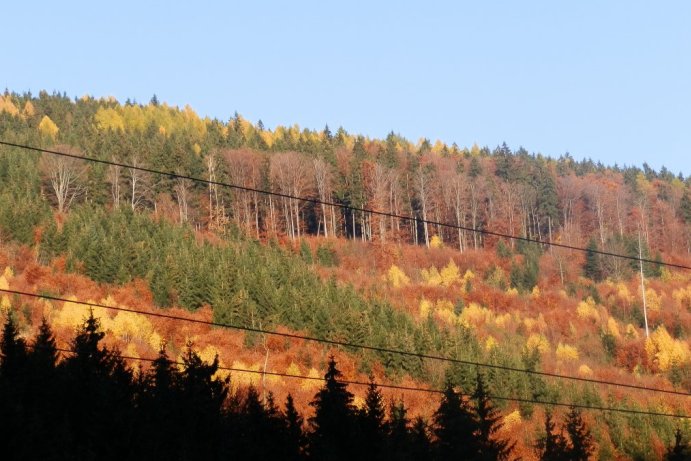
<point x="397" y="279"/>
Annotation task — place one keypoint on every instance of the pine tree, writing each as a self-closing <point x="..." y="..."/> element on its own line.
<point x="420" y="444"/>
<point x="685" y="207"/>
<point x="680" y="450"/>
<point x="372" y="423"/>
<point x="295" y="436"/>
<point x="332" y="436"/>
<point x="551" y="446"/>
<point x="488" y="422"/>
<point x="581" y="446"/>
<point x="455" y="427"/>
<point x="13" y="355"/>
<point x="591" y="268"/>
<point x="399" y="445"/>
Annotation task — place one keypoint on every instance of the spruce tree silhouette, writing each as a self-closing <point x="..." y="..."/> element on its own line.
<point x="371" y="423"/>
<point x="454" y="428"/>
<point x="680" y="450"/>
<point x="420" y="444"/>
<point x="99" y="397"/>
<point x="160" y="410"/>
<point x="488" y="423"/>
<point x="295" y="435"/>
<point x="581" y="446"/>
<point x="552" y="445"/>
<point x="332" y="436"/>
<point x="12" y="390"/>
<point x="13" y="354"/>
<point x="201" y="400"/>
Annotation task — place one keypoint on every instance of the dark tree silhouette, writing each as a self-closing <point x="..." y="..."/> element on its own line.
<point x="552" y="445"/>
<point x="333" y="423"/>
<point x="581" y="446"/>
<point x="488" y="423"/>
<point x="680" y="450"/>
<point x="454" y="427"/>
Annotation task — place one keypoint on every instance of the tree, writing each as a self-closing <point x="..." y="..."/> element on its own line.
<point x="13" y="353"/>
<point x="581" y="441"/>
<point x="591" y="268"/>
<point x="64" y="175"/>
<point x="488" y="422"/>
<point x="551" y="446"/>
<point x="455" y="427"/>
<point x="680" y="450"/>
<point x="295" y="436"/>
<point x="372" y="423"/>
<point x="332" y="436"/>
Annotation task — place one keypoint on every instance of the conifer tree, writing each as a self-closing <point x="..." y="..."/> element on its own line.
<point x="13" y="353"/>
<point x="488" y="423"/>
<point x="680" y="450"/>
<point x="372" y="422"/>
<point x="591" y="268"/>
<point x="295" y="436"/>
<point x="332" y="436"/>
<point x="551" y="446"/>
<point x="581" y="446"/>
<point x="454" y="427"/>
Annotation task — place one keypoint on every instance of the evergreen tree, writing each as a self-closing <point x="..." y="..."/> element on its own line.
<point x="399" y="445"/>
<point x="455" y="428"/>
<point x="295" y="436"/>
<point x="372" y="429"/>
<point x="551" y="446"/>
<point x="581" y="441"/>
<point x="685" y="207"/>
<point x="488" y="422"/>
<point x="332" y="436"/>
<point x="591" y="268"/>
<point x="420" y="443"/>
<point x="680" y="450"/>
<point x="13" y="354"/>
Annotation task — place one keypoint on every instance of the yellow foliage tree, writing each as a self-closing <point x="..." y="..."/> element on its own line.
<point x="613" y="327"/>
<point x="109" y="119"/>
<point x="436" y="242"/>
<point x="664" y="351"/>
<point x="431" y="276"/>
<point x="653" y="300"/>
<point x="450" y="274"/>
<point x="6" y="105"/>
<point x="585" y="371"/>
<point x="587" y="310"/>
<point x="537" y="342"/>
<point x="29" y="110"/>
<point x="47" y="127"/>
<point x="566" y="353"/>
<point x="397" y="277"/>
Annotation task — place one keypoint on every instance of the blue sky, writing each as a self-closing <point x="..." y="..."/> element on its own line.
<point x="605" y="80"/>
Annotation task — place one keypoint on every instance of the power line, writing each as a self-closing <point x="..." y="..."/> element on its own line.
<point x="346" y="344"/>
<point x="348" y="207"/>
<point x="418" y="389"/>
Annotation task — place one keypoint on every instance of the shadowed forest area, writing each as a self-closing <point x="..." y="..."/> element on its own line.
<point x="90" y="404"/>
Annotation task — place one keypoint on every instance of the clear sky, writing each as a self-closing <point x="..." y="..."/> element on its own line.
<point x="606" y="80"/>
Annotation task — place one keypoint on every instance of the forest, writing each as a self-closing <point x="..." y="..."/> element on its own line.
<point x="386" y="243"/>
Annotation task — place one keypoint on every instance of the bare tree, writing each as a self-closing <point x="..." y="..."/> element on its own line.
<point x="138" y="183"/>
<point x="182" y="193"/>
<point x="289" y="172"/>
<point x="323" y="177"/>
<point x="217" y="215"/>
<point x="65" y="176"/>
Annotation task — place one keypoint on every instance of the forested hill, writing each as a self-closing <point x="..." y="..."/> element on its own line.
<point x="396" y="248"/>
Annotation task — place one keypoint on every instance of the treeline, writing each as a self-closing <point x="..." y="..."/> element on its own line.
<point x="89" y="404"/>
<point x="514" y="192"/>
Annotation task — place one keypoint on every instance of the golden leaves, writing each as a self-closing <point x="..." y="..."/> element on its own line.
<point x="48" y="128"/>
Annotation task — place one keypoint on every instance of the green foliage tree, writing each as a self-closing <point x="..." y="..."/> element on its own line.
<point x="592" y="268"/>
